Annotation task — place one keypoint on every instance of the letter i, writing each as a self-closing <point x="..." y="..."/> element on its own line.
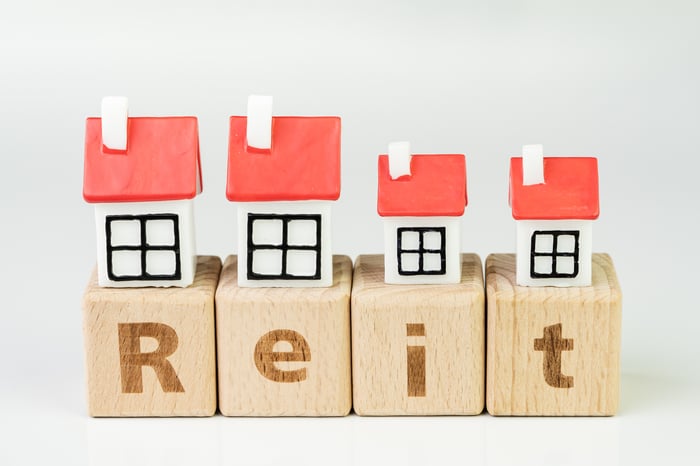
<point x="415" y="356"/>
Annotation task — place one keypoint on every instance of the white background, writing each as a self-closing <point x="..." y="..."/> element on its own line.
<point x="618" y="80"/>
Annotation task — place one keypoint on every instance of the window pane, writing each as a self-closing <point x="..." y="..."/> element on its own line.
<point x="301" y="263"/>
<point x="566" y="243"/>
<point x="161" y="262"/>
<point x="267" y="262"/>
<point x="544" y="242"/>
<point x="409" y="240"/>
<point x="267" y="232"/>
<point x="432" y="262"/>
<point x="565" y="265"/>
<point x="125" y="232"/>
<point x="409" y="262"/>
<point x="160" y="232"/>
<point x="302" y="233"/>
<point x="543" y="265"/>
<point x="432" y="240"/>
<point x="126" y="263"/>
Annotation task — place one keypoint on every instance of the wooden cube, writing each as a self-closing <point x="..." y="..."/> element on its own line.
<point x="284" y="351"/>
<point x="417" y="349"/>
<point x="552" y="351"/>
<point x="151" y="351"/>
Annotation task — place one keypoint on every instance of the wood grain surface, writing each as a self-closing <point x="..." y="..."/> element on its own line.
<point x="284" y="351"/>
<point x="151" y="351"/>
<point x="552" y="351"/>
<point x="417" y="349"/>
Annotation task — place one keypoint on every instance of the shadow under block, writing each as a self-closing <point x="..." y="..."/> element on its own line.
<point x="151" y="351"/>
<point x="552" y="351"/>
<point x="284" y="351"/>
<point x="417" y="349"/>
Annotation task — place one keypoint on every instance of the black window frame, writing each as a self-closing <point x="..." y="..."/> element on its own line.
<point x="143" y="247"/>
<point x="284" y="246"/>
<point x="554" y="254"/>
<point x="442" y="231"/>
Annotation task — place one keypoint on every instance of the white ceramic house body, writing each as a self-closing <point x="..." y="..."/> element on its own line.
<point x="422" y="250"/>
<point x="285" y="244"/>
<point x="554" y="252"/>
<point x="145" y="243"/>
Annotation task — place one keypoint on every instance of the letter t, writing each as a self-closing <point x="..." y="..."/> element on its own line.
<point x="552" y="345"/>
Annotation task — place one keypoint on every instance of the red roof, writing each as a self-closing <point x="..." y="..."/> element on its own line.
<point x="303" y="163"/>
<point x="437" y="186"/>
<point x="569" y="191"/>
<point x="161" y="161"/>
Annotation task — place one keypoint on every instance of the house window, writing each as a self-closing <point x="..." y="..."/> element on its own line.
<point x="421" y="251"/>
<point x="284" y="247"/>
<point x="554" y="254"/>
<point x="143" y="247"/>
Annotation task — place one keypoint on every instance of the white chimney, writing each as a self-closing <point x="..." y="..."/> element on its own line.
<point x="115" y="113"/>
<point x="533" y="164"/>
<point x="399" y="159"/>
<point x="259" y="129"/>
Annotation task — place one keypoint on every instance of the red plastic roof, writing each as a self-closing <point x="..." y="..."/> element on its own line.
<point x="569" y="191"/>
<point x="161" y="161"/>
<point x="437" y="186"/>
<point x="303" y="163"/>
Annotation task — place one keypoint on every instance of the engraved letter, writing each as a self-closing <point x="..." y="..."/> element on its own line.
<point x="132" y="359"/>
<point x="415" y="356"/>
<point x="265" y="357"/>
<point x="553" y="344"/>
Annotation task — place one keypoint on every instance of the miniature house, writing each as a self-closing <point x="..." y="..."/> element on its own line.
<point x="553" y="200"/>
<point x="283" y="171"/>
<point x="142" y="174"/>
<point x="421" y="199"/>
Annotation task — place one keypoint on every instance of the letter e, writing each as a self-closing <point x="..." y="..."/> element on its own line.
<point x="265" y="356"/>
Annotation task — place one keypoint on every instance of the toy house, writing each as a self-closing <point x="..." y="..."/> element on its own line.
<point x="283" y="171"/>
<point x="142" y="174"/>
<point x="554" y="201"/>
<point x="421" y="199"/>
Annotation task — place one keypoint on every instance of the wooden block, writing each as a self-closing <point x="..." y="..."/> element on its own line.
<point x="284" y="351"/>
<point x="417" y="349"/>
<point x="151" y="351"/>
<point x="552" y="351"/>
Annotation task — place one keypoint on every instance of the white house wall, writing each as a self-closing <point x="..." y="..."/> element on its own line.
<point x="525" y="230"/>
<point x="297" y="261"/>
<point x="188" y="259"/>
<point x="453" y="266"/>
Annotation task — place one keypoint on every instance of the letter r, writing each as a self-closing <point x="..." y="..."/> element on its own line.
<point x="132" y="359"/>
